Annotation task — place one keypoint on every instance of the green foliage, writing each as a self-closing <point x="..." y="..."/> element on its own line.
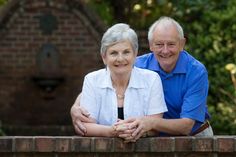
<point x="210" y="27"/>
<point x="2" y="2"/>
<point x="105" y="12"/>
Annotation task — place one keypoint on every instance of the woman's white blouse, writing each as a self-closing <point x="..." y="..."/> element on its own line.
<point x="143" y="96"/>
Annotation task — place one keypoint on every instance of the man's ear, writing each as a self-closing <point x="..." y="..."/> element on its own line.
<point x="182" y="42"/>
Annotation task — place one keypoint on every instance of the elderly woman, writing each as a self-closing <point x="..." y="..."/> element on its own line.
<point x="120" y="90"/>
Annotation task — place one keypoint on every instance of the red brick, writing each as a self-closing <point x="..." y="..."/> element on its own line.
<point x="24" y="144"/>
<point x="103" y="144"/>
<point x="121" y="146"/>
<point x="44" y="144"/>
<point x="183" y="144"/>
<point x="225" y="144"/>
<point x="6" y="144"/>
<point x="81" y="144"/>
<point x="142" y="145"/>
<point x="63" y="144"/>
<point x="203" y="144"/>
<point x="162" y="144"/>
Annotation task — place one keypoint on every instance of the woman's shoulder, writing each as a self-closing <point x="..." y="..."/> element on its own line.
<point x="96" y="74"/>
<point x="146" y="76"/>
<point x="143" y="78"/>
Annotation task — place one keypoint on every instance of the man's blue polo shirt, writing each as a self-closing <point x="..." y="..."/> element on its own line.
<point x="185" y="88"/>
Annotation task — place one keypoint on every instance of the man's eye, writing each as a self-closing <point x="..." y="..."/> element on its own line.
<point x="159" y="45"/>
<point x="171" y="44"/>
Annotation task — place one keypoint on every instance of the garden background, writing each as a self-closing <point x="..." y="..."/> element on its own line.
<point x="210" y="29"/>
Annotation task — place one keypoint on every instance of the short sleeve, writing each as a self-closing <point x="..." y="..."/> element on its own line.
<point x="156" y="101"/>
<point x="88" y="97"/>
<point x="194" y="101"/>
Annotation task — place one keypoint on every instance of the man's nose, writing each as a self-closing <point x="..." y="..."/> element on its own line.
<point x="165" y="48"/>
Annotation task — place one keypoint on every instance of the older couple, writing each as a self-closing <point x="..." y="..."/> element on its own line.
<point x="125" y="100"/>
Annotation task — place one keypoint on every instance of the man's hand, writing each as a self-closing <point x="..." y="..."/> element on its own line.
<point x="80" y="115"/>
<point x="125" y="129"/>
<point x="133" y="128"/>
<point x="142" y="126"/>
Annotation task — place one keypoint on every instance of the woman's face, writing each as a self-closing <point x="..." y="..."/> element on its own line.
<point x="120" y="58"/>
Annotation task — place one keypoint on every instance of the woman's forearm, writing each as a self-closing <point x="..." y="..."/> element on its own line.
<point x="94" y="129"/>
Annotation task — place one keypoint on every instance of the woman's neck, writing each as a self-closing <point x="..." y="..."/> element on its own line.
<point x="120" y="81"/>
<point x="120" y="84"/>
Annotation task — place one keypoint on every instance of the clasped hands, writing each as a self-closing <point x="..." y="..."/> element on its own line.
<point x="130" y="129"/>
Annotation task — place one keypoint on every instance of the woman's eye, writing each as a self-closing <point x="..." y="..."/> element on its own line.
<point x="113" y="53"/>
<point x="126" y="52"/>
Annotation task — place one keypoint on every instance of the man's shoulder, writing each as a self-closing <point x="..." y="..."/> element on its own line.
<point x="194" y="68"/>
<point x="145" y="56"/>
<point x="144" y="60"/>
<point x="194" y="63"/>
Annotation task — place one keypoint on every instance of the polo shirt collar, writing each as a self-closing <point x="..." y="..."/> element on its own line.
<point x="181" y="65"/>
<point x="154" y="65"/>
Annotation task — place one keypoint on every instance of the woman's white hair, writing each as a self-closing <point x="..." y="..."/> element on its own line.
<point x="118" y="33"/>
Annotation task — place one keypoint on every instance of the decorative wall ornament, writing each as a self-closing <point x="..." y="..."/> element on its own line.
<point x="48" y="75"/>
<point x="48" y="23"/>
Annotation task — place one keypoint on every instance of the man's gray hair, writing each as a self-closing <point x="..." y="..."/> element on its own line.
<point x="118" y="33"/>
<point x="165" y="21"/>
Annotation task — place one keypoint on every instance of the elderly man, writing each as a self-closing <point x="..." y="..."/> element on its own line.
<point x="185" y="84"/>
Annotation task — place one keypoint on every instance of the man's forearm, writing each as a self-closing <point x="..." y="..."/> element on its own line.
<point x="172" y="126"/>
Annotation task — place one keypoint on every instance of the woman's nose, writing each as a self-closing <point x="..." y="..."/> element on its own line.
<point x="120" y="57"/>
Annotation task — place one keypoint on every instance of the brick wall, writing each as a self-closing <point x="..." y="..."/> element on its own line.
<point x="24" y="28"/>
<point x="75" y="31"/>
<point x="72" y="146"/>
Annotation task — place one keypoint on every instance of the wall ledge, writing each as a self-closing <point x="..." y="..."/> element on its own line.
<point x="89" y="146"/>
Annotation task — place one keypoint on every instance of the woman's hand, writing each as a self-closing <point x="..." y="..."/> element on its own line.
<point x="133" y="128"/>
<point x="125" y="130"/>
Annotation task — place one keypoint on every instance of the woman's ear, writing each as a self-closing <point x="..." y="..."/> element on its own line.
<point x="103" y="55"/>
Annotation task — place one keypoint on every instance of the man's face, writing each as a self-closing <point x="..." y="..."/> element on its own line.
<point x="166" y="46"/>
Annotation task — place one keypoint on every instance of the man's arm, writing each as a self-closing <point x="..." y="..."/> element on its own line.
<point x="80" y="115"/>
<point x="182" y="126"/>
<point x="156" y="123"/>
<point x="88" y="128"/>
